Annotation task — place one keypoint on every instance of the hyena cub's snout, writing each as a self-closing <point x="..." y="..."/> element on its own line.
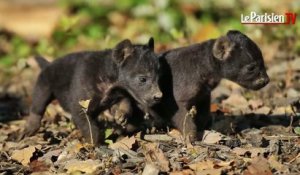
<point x="155" y="96"/>
<point x="261" y="81"/>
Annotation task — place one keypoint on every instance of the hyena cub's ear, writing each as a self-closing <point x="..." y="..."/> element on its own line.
<point x="222" y="48"/>
<point x="151" y="44"/>
<point x="122" y="51"/>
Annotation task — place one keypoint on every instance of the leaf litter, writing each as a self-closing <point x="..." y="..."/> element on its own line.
<point x="249" y="135"/>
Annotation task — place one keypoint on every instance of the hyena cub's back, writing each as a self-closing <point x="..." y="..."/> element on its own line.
<point x="192" y="72"/>
<point x="128" y="68"/>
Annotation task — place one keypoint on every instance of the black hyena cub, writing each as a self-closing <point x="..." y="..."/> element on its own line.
<point x="189" y="74"/>
<point x="103" y="77"/>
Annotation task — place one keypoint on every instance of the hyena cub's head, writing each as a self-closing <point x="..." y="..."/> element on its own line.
<point x="240" y="60"/>
<point x="138" y="67"/>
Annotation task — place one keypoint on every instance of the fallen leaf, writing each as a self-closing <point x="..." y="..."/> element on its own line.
<point x="259" y="165"/>
<point x="223" y="163"/>
<point x="150" y="169"/>
<point x="214" y="107"/>
<point x="253" y="151"/>
<point x="212" y="137"/>
<point x="88" y="166"/>
<point x="273" y="161"/>
<point x="210" y="172"/>
<point x="84" y="103"/>
<point x="263" y="110"/>
<point x="38" y="166"/>
<point x="155" y="155"/>
<point x="297" y="130"/>
<point x="30" y="25"/>
<point x="255" y="104"/>
<point x="108" y="132"/>
<point x="125" y="143"/>
<point x="23" y="156"/>
<point x="236" y="100"/>
<point x="175" y="134"/>
<point x="209" y="30"/>
<point x="203" y="165"/>
<point x="42" y="173"/>
<point x="183" y="172"/>
<point x="284" y="110"/>
<point x="50" y="154"/>
<point x="209" y="166"/>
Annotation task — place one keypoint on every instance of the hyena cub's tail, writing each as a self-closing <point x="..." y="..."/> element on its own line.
<point x="42" y="62"/>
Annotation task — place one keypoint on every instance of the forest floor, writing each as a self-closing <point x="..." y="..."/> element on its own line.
<point x="252" y="133"/>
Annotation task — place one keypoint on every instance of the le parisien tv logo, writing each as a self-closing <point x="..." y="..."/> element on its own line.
<point x="288" y="18"/>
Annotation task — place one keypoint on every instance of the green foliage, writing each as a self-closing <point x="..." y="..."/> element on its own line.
<point x="297" y="130"/>
<point x="98" y="24"/>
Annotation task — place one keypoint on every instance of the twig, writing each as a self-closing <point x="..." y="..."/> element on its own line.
<point x="281" y="137"/>
<point x="158" y="137"/>
<point x="89" y="124"/>
<point x="295" y="158"/>
<point x="183" y="128"/>
<point x="213" y="146"/>
<point x="191" y="113"/>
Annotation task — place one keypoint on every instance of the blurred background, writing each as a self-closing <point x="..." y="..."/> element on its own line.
<point x="53" y="28"/>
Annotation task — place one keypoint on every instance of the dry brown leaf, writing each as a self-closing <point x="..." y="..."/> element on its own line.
<point x="175" y="134"/>
<point x="259" y="165"/>
<point x="223" y="163"/>
<point x="38" y="166"/>
<point x="183" y="172"/>
<point x="214" y="107"/>
<point x="205" y="32"/>
<point x="125" y="143"/>
<point x="253" y="151"/>
<point x="255" y="104"/>
<point x="273" y="161"/>
<point x="150" y="169"/>
<point x="30" y="25"/>
<point x="155" y="155"/>
<point x="212" y="137"/>
<point x="23" y="156"/>
<point x="284" y="110"/>
<point x="263" y="110"/>
<point x="210" y="172"/>
<point x="42" y="173"/>
<point x="88" y="166"/>
<point x="210" y="165"/>
<point x="203" y="165"/>
<point x="236" y="100"/>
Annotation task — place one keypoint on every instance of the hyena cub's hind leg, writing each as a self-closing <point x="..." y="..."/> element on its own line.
<point x="121" y="111"/>
<point x="41" y="97"/>
<point x="118" y="105"/>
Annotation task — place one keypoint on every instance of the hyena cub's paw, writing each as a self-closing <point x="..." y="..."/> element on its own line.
<point x="121" y="112"/>
<point x="33" y="123"/>
<point x="118" y="113"/>
<point x="120" y="118"/>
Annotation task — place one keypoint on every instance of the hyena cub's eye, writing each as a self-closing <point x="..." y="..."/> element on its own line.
<point x="251" y="68"/>
<point x="142" y="79"/>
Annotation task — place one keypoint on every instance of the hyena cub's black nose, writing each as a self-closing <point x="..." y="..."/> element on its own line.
<point x="267" y="80"/>
<point x="263" y="81"/>
<point x="157" y="96"/>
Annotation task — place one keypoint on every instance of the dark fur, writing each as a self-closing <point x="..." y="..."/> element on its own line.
<point x="103" y="77"/>
<point x="191" y="73"/>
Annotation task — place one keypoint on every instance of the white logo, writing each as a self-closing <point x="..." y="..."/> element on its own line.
<point x="268" y="18"/>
